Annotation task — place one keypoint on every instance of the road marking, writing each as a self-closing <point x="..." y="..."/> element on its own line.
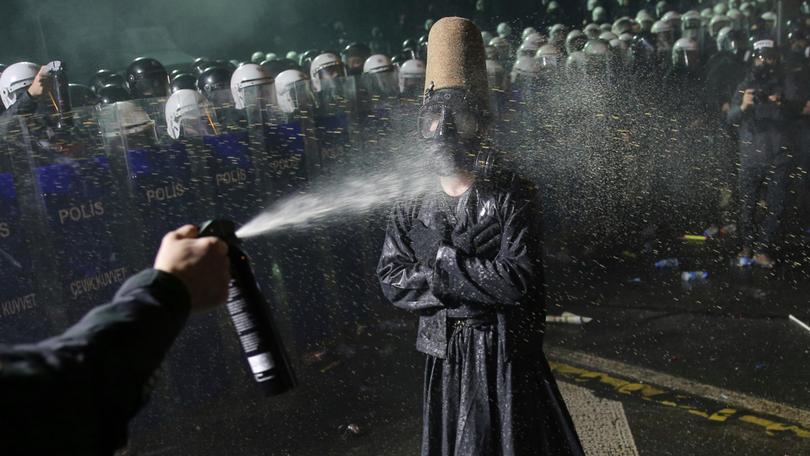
<point x="799" y="322"/>
<point x="601" y="423"/>
<point x="665" y="389"/>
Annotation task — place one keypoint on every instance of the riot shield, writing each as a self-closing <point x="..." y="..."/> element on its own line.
<point x="411" y="87"/>
<point x="382" y="85"/>
<point x="156" y="174"/>
<point x="155" y="109"/>
<point x="232" y="163"/>
<point x="519" y="112"/>
<point x="348" y="252"/>
<point x="284" y="132"/>
<point x="334" y="117"/>
<point x="169" y="183"/>
<point x="24" y="313"/>
<point x="379" y="99"/>
<point x="79" y="206"/>
<point x="297" y="262"/>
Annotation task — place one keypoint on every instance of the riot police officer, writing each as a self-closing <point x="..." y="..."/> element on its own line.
<point x="147" y="78"/>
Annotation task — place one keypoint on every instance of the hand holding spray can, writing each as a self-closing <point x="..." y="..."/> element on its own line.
<point x="249" y="313"/>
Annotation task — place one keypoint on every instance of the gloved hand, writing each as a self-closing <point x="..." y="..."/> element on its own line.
<point x="479" y="239"/>
<point x="425" y="243"/>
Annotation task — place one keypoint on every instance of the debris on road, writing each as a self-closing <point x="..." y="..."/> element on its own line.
<point x="568" y="317"/>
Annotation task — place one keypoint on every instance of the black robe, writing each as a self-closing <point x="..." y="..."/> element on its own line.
<point x="488" y="389"/>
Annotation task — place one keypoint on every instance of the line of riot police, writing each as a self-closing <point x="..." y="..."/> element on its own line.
<point x="90" y="182"/>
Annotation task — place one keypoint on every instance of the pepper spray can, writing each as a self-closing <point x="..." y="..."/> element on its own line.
<point x="59" y="93"/>
<point x="248" y="310"/>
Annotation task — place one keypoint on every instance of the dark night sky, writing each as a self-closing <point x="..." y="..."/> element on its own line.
<point x="90" y="34"/>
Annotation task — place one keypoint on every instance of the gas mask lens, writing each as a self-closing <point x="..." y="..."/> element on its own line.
<point x="440" y="120"/>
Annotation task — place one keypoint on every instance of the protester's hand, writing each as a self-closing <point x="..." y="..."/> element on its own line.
<point x="41" y="84"/>
<point x="479" y="239"/>
<point x="201" y="263"/>
<point x="747" y="99"/>
<point x="806" y="110"/>
<point x="776" y="99"/>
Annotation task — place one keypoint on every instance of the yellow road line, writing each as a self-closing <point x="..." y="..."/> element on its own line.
<point x="667" y="390"/>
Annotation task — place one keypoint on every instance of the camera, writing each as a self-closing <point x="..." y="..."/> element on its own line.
<point x="760" y="97"/>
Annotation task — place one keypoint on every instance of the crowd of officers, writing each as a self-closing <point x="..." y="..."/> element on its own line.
<point x="739" y="66"/>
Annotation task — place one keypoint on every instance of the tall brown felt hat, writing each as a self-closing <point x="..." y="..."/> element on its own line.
<point x="456" y="59"/>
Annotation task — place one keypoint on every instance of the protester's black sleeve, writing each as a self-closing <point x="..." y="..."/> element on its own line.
<point x="404" y="280"/>
<point x="507" y="279"/>
<point x="75" y="393"/>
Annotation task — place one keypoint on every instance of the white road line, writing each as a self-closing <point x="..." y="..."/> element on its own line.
<point x="724" y="396"/>
<point x="601" y="423"/>
<point x="799" y="322"/>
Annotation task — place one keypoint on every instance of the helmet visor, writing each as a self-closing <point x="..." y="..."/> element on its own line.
<point x="151" y="85"/>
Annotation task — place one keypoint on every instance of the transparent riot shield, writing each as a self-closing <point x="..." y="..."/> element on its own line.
<point x="404" y="117"/>
<point x="24" y="313"/>
<point x="379" y="99"/>
<point x="232" y="162"/>
<point x="220" y="99"/>
<point x="499" y="89"/>
<point x="524" y="97"/>
<point x="282" y="127"/>
<point x="81" y="213"/>
<point x="284" y="131"/>
<point x="348" y="251"/>
<point x="167" y="183"/>
<point x="157" y="174"/>
<point x="383" y="85"/>
<point x="412" y="87"/>
<point x="333" y="123"/>
<point x="155" y="109"/>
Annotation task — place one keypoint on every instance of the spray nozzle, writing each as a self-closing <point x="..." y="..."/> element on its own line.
<point x="221" y="228"/>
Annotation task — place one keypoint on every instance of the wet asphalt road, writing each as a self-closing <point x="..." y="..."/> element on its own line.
<point x="701" y="369"/>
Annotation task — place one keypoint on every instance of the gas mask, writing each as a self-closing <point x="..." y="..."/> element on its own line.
<point x="452" y="125"/>
<point x="765" y="66"/>
<point x="763" y="72"/>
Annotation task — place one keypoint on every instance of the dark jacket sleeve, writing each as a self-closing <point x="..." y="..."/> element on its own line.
<point x="404" y="281"/>
<point x="511" y="276"/>
<point x="24" y="105"/>
<point x="769" y="111"/>
<point x="78" y="390"/>
<point x="735" y="114"/>
<point x="793" y="98"/>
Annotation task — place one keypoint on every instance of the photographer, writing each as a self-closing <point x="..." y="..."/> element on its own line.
<point x="75" y="393"/>
<point x="763" y="108"/>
